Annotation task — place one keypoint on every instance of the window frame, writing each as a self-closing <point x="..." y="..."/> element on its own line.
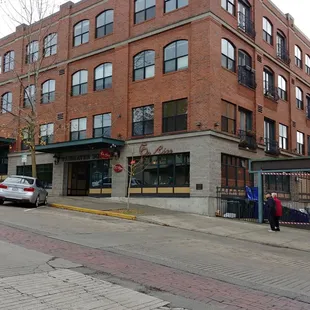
<point x="47" y="139"/>
<point x="283" y="136"/>
<point x="226" y="59"/>
<point x="102" y="128"/>
<point x="10" y="64"/>
<point x="82" y="34"/>
<point x="282" y="91"/>
<point x="307" y="64"/>
<point x="229" y="6"/>
<point x="84" y="131"/>
<point x="145" y="11"/>
<point x="79" y="85"/>
<point x="144" y="121"/>
<point x="175" y="116"/>
<point x="105" y="25"/>
<point x="144" y="66"/>
<point x="299" y="99"/>
<point x="177" y="57"/>
<point x="267" y="35"/>
<point x="298" y="56"/>
<point x="300" y="145"/>
<point x="177" y="6"/>
<point x="32" y="52"/>
<point x="104" y="78"/>
<point x="7" y="103"/>
<point x="226" y="119"/>
<point x="50" y="46"/>
<point x="50" y="94"/>
<point x="28" y="100"/>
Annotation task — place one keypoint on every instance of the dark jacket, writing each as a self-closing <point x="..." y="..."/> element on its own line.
<point x="272" y="205"/>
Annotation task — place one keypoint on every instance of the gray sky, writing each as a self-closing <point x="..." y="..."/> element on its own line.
<point x="299" y="9"/>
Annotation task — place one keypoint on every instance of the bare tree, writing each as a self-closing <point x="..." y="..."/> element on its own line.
<point x="30" y="14"/>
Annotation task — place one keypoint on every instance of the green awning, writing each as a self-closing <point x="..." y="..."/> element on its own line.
<point x="6" y="141"/>
<point x="79" y="145"/>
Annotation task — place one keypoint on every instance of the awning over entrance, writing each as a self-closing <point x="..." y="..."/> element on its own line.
<point x="80" y="145"/>
<point x="6" y="141"/>
<point x="280" y="164"/>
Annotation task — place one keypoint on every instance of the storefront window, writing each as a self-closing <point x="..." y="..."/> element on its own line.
<point x="235" y="172"/>
<point x="100" y="174"/>
<point x="277" y="183"/>
<point x="170" y="170"/>
<point x="44" y="172"/>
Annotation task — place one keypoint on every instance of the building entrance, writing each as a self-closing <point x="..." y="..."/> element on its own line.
<point x="78" y="179"/>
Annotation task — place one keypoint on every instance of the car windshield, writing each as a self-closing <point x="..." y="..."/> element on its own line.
<point x="19" y="180"/>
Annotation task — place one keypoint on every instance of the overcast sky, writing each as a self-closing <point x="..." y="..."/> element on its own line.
<point x="299" y="9"/>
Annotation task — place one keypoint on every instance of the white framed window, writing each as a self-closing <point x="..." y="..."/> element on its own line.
<point x="307" y="64"/>
<point x="283" y="137"/>
<point x="47" y="133"/>
<point x="298" y="56"/>
<point x="229" y="6"/>
<point x="78" y="128"/>
<point x="282" y="87"/>
<point x="30" y="96"/>
<point x="79" y="83"/>
<point x="299" y="99"/>
<point x="32" y="52"/>
<point x="267" y="31"/>
<point x="300" y="143"/>
<point x="6" y="102"/>
<point x="228" y="55"/>
<point x="102" y="125"/>
<point x="103" y="76"/>
<point x="8" y="61"/>
<point x="50" y="45"/>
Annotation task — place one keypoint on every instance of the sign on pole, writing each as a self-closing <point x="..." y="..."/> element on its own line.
<point x="24" y="159"/>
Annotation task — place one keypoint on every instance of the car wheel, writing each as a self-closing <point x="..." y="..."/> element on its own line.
<point x="1" y="202"/>
<point x="37" y="203"/>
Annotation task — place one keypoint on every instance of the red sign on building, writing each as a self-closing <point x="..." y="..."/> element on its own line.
<point x="104" y="155"/>
<point x="118" y="168"/>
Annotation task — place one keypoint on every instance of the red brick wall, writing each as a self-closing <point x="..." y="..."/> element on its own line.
<point x="205" y="83"/>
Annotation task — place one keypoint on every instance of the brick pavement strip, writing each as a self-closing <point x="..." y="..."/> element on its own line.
<point x="200" y="288"/>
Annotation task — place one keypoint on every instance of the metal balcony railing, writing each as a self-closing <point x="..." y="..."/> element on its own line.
<point x="246" y="24"/>
<point x="272" y="147"/>
<point x="282" y="54"/>
<point x="271" y="92"/>
<point x="246" y="76"/>
<point x="247" y="139"/>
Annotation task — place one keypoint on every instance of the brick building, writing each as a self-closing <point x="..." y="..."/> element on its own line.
<point x="195" y="87"/>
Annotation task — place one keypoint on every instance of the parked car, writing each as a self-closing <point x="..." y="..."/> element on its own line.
<point x="23" y="189"/>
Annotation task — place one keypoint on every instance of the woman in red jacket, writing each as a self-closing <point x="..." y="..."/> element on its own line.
<point x="278" y="213"/>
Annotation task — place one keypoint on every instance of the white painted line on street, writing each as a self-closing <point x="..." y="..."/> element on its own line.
<point x="28" y="210"/>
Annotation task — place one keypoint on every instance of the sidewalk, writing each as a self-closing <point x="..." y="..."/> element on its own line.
<point x="288" y="237"/>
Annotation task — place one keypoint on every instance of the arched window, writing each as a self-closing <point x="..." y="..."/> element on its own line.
<point x="176" y="56"/>
<point x="6" y="102"/>
<point x="268" y="80"/>
<point x="30" y="96"/>
<point x="50" y="45"/>
<point x="298" y="57"/>
<point x="267" y="31"/>
<point x="144" y="65"/>
<point x="81" y="33"/>
<point x="144" y="10"/>
<point x="103" y="76"/>
<point x="32" y="52"/>
<point x="307" y="64"/>
<point x="299" y="99"/>
<point x="282" y="88"/>
<point x="48" y="91"/>
<point x="228" y="55"/>
<point x="8" y="61"/>
<point x="79" y="83"/>
<point x="104" y="23"/>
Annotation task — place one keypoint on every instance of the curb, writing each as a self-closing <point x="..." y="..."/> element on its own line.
<point x="92" y="211"/>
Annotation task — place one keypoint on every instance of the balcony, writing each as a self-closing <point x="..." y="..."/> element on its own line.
<point x="246" y="25"/>
<point x="247" y="139"/>
<point x="272" y="147"/>
<point x="271" y="92"/>
<point x="282" y="54"/>
<point x="246" y="76"/>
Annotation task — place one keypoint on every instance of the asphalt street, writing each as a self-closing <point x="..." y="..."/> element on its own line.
<point x="187" y="269"/>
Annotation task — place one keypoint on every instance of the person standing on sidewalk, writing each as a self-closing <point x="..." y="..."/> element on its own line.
<point x="272" y="212"/>
<point x="279" y="211"/>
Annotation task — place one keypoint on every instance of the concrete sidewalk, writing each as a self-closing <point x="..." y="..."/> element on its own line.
<point x="288" y="237"/>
